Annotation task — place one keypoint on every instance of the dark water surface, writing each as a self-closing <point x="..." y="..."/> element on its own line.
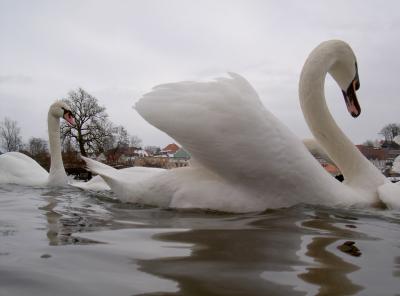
<point x="68" y="242"/>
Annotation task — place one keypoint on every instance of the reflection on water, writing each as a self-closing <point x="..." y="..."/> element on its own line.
<point x="64" y="242"/>
<point x="396" y="271"/>
<point x="52" y="219"/>
<point x="226" y="262"/>
<point x="331" y="273"/>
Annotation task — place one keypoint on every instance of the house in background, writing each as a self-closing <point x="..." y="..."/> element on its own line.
<point x="180" y="158"/>
<point x="182" y="154"/>
<point x="172" y="156"/>
<point x="122" y="156"/>
<point x="170" y="150"/>
<point x="376" y="155"/>
<point x="177" y="156"/>
<point x="382" y="157"/>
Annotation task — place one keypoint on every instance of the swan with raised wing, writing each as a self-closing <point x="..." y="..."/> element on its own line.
<point x="245" y="159"/>
<point x="18" y="168"/>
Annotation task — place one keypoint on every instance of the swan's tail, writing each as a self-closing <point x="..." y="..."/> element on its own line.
<point x="128" y="184"/>
<point x="108" y="173"/>
<point x="94" y="166"/>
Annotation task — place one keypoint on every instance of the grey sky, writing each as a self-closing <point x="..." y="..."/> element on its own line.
<point x="118" y="50"/>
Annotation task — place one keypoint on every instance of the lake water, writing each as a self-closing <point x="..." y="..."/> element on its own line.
<point x="69" y="242"/>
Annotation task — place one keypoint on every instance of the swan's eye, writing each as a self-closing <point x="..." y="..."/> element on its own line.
<point x="66" y="111"/>
<point x="356" y="83"/>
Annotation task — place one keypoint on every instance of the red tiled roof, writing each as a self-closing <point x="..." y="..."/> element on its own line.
<point x="171" y="148"/>
<point x="372" y="152"/>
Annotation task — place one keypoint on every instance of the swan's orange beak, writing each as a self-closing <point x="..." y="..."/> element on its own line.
<point x="350" y="97"/>
<point x="69" y="117"/>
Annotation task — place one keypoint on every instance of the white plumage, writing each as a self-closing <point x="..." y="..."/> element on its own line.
<point x="17" y="168"/>
<point x="244" y="158"/>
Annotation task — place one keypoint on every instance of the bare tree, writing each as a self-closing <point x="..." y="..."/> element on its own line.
<point x="154" y="150"/>
<point x="121" y="137"/>
<point x="92" y="127"/>
<point x="67" y="145"/>
<point x="390" y="131"/>
<point x="37" y="146"/>
<point x="10" y="135"/>
<point x="135" y="141"/>
<point x="118" y="142"/>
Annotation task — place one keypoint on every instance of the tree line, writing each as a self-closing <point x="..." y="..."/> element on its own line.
<point x="93" y="132"/>
<point x="389" y="132"/>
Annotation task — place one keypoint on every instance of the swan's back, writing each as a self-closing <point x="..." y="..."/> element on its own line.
<point x="18" y="168"/>
<point x="189" y="187"/>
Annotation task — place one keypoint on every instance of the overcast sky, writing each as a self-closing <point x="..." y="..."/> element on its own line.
<point x="119" y="50"/>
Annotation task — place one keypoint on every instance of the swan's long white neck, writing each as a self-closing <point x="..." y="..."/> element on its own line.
<point x="57" y="176"/>
<point x="357" y="170"/>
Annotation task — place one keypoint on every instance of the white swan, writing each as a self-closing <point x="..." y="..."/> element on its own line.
<point x="246" y="159"/>
<point x="17" y="168"/>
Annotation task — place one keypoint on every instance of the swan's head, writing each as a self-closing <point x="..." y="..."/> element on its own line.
<point x="59" y="109"/>
<point x="345" y="72"/>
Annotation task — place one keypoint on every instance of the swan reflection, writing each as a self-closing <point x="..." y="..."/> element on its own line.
<point x="330" y="272"/>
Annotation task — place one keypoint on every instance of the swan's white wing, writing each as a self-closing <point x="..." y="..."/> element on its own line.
<point x="226" y="128"/>
<point x="389" y="193"/>
<point x="18" y="168"/>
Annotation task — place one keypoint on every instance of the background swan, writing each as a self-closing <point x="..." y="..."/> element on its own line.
<point x="245" y="158"/>
<point x="17" y="168"/>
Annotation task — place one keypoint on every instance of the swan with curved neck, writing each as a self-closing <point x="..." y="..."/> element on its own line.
<point x="245" y="158"/>
<point x="18" y="168"/>
<point x="57" y="175"/>
<point x="336" y="58"/>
